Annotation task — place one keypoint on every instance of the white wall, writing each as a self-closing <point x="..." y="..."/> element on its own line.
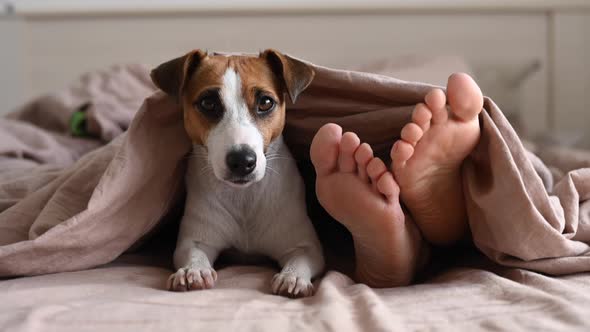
<point x="12" y="69"/>
<point x="58" y="49"/>
<point x="572" y="71"/>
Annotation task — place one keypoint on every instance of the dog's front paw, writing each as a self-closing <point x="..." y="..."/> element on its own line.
<point x="186" y="279"/>
<point x="291" y="285"/>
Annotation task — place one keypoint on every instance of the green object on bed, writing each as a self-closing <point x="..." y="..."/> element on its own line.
<point x="78" y="122"/>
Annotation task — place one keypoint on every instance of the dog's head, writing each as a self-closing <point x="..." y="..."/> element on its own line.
<point x="234" y="106"/>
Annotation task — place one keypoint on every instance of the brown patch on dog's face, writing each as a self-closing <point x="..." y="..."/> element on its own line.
<point x="196" y="81"/>
<point x="260" y="88"/>
<point x="207" y="77"/>
<point x="258" y="84"/>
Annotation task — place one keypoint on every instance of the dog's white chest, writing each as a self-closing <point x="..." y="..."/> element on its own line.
<point x="248" y="211"/>
<point x="248" y="219"/>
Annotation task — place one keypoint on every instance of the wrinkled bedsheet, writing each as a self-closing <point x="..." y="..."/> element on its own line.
<point x="128" y="296"/>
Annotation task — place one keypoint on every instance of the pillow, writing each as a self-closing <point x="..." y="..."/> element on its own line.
<point x="433" y="70"/>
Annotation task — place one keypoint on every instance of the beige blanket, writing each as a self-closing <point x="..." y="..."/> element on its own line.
<point x="63" y="214"/>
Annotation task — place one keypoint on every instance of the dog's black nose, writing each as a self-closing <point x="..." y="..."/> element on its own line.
<point x="241" y="162"/>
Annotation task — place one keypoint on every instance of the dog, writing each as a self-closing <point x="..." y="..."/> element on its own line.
<point x="244" y="190"/>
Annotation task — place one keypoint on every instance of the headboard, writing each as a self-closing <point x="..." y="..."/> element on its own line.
<point x="59" y="40"/>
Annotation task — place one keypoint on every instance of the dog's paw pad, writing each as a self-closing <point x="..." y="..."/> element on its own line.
<point x="291" y="285"/>
<point x="186" y="279"/>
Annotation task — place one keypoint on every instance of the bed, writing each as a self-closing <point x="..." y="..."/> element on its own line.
<point x="463" y="290"/>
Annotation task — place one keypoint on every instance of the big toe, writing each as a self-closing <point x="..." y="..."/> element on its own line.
<point x="464" y="96"/>
<point x="325" y="149"/>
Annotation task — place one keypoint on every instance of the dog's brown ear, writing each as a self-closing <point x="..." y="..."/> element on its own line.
<point x="295" y="74"/>
<point x="171" y="76"/>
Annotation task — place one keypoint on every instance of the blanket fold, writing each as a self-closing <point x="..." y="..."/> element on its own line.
<point x="64" y="208"/>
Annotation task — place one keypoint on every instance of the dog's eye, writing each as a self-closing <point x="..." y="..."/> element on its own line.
<point x="210" y="106"/>
<point x="265" y="104"/>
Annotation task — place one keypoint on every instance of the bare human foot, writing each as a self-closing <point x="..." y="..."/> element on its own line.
<point x="427" y="160"/>
<point x="357" y="190"/>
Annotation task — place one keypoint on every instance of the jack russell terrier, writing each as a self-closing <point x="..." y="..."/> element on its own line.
<point x="234" y="113"/>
